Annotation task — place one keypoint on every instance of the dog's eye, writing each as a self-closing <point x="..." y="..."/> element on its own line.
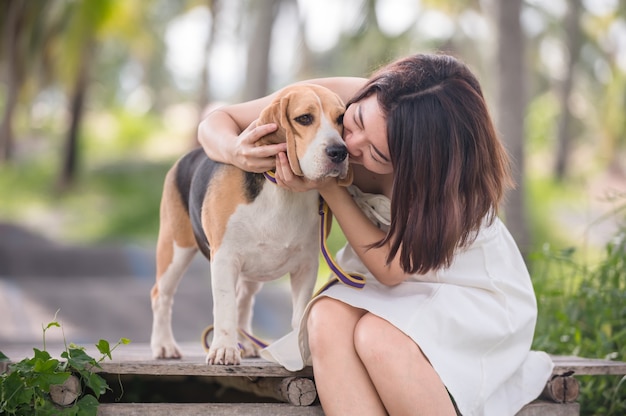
<point x="340" y="120"/>
<point x="305" y="119"/>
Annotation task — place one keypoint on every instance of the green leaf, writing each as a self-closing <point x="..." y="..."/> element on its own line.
<point x="44" y="381"/>
<point x="80" y="360"/>
<point x="124" y="341"/>
<point x="45" y="366"/>
<point x="41" y="355"/>
<point x="4" y="357"/>
<point x="96" y="383"/>
<point x="15" y="393"/>
<point x="51" y="324"/>
<point x="87" y="406"/>
<point x="104" y="347"/>
<point x="23" y="367"/>
<point x="76" y="347"/>
<point x="50" y="409"/>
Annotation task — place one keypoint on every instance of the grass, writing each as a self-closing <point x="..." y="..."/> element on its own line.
<point x="115" y="202"/>
<point x="582" y="311"/>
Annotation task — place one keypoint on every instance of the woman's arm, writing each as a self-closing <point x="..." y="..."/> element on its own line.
<point x="361" y="233"/>
<point x="229" y="134"/>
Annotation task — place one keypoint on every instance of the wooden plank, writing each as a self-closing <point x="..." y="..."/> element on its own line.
<point x="250" y="367"/>
<point x="543" y="408"/>
<point x="203" y="409"/>
<point x="537" y="408"/>
<point x="132" y="362"/>
<point x="137" y="359"/>
<point x="587" y="366"/>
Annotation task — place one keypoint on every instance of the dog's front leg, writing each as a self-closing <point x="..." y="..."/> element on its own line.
<point x="224" y="349"/>
<point x="302" y="284"/>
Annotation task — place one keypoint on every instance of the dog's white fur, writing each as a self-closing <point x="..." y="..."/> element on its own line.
<point x="270" y="258"/>
<point x="253" y="242"/>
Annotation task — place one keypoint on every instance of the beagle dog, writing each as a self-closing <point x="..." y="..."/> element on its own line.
<point x="251" y="230"/>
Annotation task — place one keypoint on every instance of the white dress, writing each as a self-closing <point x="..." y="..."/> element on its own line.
<point x="474" y="320"/>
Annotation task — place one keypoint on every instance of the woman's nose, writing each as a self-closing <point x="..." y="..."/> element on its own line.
<point x="353" y="142"/>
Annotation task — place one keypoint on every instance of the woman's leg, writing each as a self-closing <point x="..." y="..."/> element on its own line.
<point x="404" y="379"/>
<point x="343" y="385"/>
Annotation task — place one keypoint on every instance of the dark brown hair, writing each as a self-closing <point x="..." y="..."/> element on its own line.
<point x="450" y="169"/>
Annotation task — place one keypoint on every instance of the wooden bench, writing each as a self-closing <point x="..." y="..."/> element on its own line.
<point x="293" y="393"/>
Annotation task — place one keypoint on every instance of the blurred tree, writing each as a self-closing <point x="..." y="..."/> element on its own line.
<point x="133" y="31"/>
<point x="364" y="47"/>
<point x="603" y="83"/>
<point x="261" y="14"/>
<point x="510" y="100"/>
<point x="575" y="57"/>
<point x="13" y="12"/>
<point x="205" y="78"/>
<point x="22" y="37"/>
<point x="564" y="92"/>
<point x="86" y="18"/>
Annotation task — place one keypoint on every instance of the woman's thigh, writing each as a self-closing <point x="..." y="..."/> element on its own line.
<point x="402" y="375"/>
<point x="343" y="384"/>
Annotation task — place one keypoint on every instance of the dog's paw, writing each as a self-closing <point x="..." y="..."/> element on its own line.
<point x="224" y="356"/>
<point x="166" y="351"/>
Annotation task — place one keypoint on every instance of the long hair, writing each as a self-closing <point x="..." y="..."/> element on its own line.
<point x="450" y="169"/>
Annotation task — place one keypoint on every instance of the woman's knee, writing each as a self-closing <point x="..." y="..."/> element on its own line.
<point x="375" y="339"/>
<point x="330" y="321"/>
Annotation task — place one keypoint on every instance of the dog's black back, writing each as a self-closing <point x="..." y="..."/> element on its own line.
<point x="193" y="174"/>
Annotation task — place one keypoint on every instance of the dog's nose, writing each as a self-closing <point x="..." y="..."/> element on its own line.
<point x="337" y="153"/>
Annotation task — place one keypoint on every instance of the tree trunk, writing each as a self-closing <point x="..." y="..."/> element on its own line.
<point x="14" y="77"/>
<point x="511" y="105"/>
<point x="70" y="155"/>
<point x="205" y="80"/>
<point x="262" y="14"/>
<point x="205" y="96"/>
<point x="564" y="137"/>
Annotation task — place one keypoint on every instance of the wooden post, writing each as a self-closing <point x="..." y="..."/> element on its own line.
<point x="561" y="388"/>
<point x="298" y="391"/>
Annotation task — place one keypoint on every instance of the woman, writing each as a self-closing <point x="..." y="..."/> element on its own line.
<point x="448" y="311"/>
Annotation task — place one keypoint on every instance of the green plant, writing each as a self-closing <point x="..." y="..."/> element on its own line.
<point x="582" y="311"/>
<point x="43" y="385"/>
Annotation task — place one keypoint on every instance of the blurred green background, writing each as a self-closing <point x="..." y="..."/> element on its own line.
<point x="99" y="97"/>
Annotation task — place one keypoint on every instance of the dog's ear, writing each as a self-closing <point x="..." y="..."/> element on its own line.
<point x="292" y="154"/>
<point x="278" y="113"/>
<point x="346" y="180"/>
<point x="272" y="114"/>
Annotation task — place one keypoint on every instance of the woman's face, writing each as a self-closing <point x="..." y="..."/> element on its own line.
<point x="365" y="134"/>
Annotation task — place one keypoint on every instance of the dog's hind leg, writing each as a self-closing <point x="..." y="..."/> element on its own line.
<point x="246" y="290"/>
<point x="162" y="340"/>
<point x="176" y="247"/>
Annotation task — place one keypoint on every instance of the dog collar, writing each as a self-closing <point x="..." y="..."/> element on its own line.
<point x="270" y="175"/>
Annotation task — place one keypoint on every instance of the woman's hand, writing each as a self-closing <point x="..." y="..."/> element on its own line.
<point x="247" y="155"/>
<point x="287" y="179"/>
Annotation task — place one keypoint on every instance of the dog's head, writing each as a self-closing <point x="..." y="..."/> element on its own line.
<point x="310" y="120"/>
